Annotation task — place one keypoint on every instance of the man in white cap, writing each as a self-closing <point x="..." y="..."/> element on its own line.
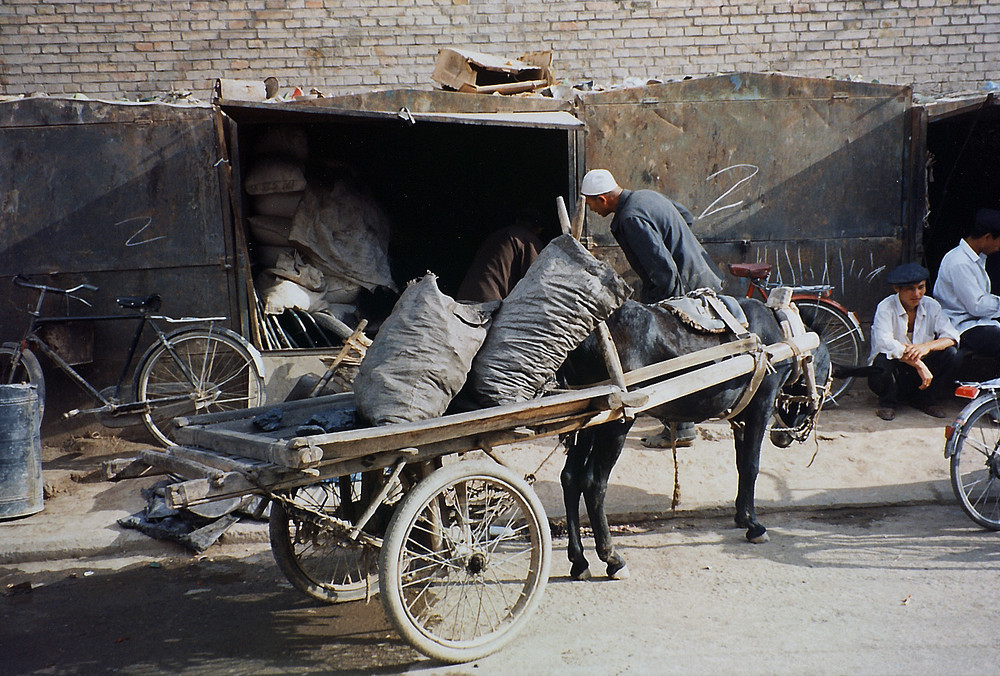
<point x="654" y="233"/>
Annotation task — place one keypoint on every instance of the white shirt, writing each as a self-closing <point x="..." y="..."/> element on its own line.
<point x="963" y="289"/>
<point x="889" y="326"/>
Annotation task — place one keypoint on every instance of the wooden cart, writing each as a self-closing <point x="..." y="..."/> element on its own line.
<point x="459" y="549"/>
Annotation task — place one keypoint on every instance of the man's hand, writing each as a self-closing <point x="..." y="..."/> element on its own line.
<point x="914" y="353"/>
<point x="925" y="373"/>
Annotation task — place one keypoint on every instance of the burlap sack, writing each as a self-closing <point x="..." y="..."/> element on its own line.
<point x="565" y="294"/>
<point x="421" y="356"/>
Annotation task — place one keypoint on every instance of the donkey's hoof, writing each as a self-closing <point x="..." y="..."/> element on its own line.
<point x="758" y="535"/>
<point x="583" y="573"/>
<point x="618" y="571"/>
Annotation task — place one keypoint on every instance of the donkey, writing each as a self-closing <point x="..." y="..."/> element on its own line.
<point x="646" y="334"/>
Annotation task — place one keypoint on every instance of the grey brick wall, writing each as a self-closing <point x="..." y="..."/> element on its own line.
<point x="117" y="48"/>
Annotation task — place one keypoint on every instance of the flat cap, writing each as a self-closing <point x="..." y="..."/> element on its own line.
<point x="908" y="273"/>
<point x="988" y="221"/>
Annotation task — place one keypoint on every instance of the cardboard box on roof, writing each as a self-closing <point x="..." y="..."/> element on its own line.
<point x="467" y="71"/>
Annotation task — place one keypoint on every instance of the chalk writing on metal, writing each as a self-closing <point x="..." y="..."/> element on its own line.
<point x="131" y="241"/>
<point x="797" y="273"/>
<point x="709" y="210"/>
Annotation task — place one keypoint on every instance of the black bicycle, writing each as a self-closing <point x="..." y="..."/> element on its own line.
<point x="198" y="368"/>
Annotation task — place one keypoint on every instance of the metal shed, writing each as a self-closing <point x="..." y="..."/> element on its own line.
<point x="816" y="176"/>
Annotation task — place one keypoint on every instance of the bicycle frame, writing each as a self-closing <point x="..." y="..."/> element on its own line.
<point x="33" y="340"/>
<point x="818" y="292"/>
<point x="757" y="287"/>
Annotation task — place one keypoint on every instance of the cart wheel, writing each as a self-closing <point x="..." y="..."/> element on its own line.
<point x="308" y="529"/>
<point x="464" y="561"/>
<point x="975" y="466"/>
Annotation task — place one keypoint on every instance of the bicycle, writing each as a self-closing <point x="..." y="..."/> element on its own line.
<point x="836" y="326"/>
<point x="973" y="445"/>
<point x="193" y="369"/>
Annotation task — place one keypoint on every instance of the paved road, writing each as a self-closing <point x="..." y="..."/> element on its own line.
<point x="898" y="590"/>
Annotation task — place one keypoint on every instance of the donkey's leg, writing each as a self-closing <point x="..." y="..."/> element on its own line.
<point x="573" y="476"/>
<point x="608" y="442"/>
<point x="749" y="435"/>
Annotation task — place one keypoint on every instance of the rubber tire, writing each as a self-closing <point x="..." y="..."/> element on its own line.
<point x="983" y="435"/>
<point x="29" y="372"/>
<point x="842" y="337"/>
<point x="402" y="547"/>
<point x="158" y="369"/>
<point x="315" y="567"/>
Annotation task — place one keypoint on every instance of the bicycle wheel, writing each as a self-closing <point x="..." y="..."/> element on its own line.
<point x="208" y="371"/>
<point x="309" y="540"/>
<point x="843" y="338"/>
<point x="28" y="372"/>
<point x="465" y="560"/>
<point x="975" y="465"/>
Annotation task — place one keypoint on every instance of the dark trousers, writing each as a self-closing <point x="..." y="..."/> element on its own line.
<point x="894" y="381"/>
<point x="982" y="339"/>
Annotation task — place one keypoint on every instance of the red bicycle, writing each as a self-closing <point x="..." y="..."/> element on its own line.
<point x="836" y="326"/>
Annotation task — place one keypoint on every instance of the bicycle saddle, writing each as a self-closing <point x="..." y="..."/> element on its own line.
<point x="751" y="270"/>
<point x="150" y="302"/>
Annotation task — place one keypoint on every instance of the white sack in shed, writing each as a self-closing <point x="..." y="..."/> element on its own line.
<point x="274" y="175"/>
<point x="421" y="355"/>
<point x="346" y="235"/>
<point x="557" y="304"/>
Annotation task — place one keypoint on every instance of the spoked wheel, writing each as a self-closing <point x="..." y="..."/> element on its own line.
<point x="465" y="560"/>
<point x="975" y="466"/>
<point x="27" y="372"/>
<point x="309" y="530"/>
<point x="210" y="370"/>
<point x="843" y="338"/>
<point x="309" y="540"/>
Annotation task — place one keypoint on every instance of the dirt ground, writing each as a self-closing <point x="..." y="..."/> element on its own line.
<point x="883" y="591"/>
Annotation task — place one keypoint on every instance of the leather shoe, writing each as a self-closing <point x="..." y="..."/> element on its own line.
<point x="933" y="410"/>
<point x="886" y="413"/>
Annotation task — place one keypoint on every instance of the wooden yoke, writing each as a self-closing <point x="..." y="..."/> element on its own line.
<point x="604" y="340"/>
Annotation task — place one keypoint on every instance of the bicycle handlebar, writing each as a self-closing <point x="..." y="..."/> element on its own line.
<point x="21" y="280"/>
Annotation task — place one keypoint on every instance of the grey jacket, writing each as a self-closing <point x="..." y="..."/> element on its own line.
<point x="655" y="235"/>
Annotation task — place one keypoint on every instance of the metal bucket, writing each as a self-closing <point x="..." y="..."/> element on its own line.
<point x="20" y="451"/>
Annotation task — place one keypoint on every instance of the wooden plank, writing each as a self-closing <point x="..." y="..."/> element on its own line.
<point x="224" y="463"/>
<point x="576" y="226"/>
<point x="421" y="433"/>
<point x="365" y="441"/>
<point x="720" y="372"/>
<point x="610" y="354"/>
<point x="563" y="215"/>
<point x="199" y="491"/>
<point x="338" y="400"/>
<point x="259" y="447"/>
<point x="695" y="381"/>
<point x="181" y="466"/>
<point x="686" y="361"/>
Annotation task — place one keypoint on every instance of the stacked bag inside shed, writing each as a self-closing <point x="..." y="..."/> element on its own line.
<point x="318" y="237"/>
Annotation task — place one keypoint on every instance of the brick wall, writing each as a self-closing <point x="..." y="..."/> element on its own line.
<point x="119" y="48"/>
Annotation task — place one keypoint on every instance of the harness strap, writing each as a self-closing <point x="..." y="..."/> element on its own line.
<point x="726" y="316"/>
<point x="761" y="366"/>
